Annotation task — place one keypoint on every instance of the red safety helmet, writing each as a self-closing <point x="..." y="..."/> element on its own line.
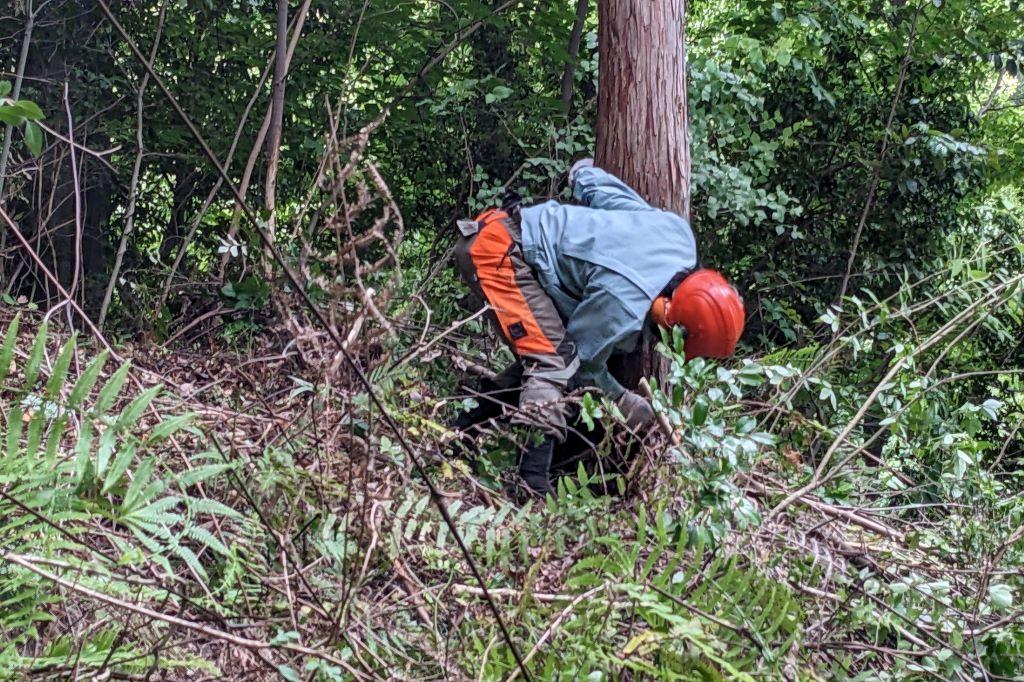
<point x="711" y="311"/>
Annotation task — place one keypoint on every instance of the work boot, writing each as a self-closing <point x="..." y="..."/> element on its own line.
<point x="536" y="464"/>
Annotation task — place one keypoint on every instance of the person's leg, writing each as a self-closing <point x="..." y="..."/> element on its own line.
<point x="492" y="264"/>
<point x="491" y="395"/>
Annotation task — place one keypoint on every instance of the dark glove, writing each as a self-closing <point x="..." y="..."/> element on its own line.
<point x="636" y="410"/>
<point x="467" y="426"/>
<point x="485" y="409"/>
<point x="535" y="465"/>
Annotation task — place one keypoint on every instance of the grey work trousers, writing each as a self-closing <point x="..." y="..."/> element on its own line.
<point x="492" y="265"/>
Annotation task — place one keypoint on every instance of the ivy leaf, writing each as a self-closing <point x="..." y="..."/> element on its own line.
<point x="499" y="93"/>
<point x="288" y="673"/>
<point x="27" y="110"/>
<point x="1001" y="596"/>
<point x="34" y="137"/>
<point x="783" y="51"/>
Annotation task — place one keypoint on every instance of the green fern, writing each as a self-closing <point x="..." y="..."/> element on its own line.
<point x="73" y="464"/>
<point x="737" y="621"/>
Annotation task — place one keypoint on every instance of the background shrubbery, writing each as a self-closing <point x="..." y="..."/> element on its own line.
<point x="216" y="493"/>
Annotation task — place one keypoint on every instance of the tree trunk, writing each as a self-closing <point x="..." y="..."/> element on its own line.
<point x="276" y="120"/>
<point x="642" y="130"/>
<point x="65" y="214"/>
<point x="490" y="145"/>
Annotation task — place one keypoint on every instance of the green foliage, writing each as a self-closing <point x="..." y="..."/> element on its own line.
<point x="901" y="402"/>
<point x="22" y="113"/>
<point x="76" y="475"/>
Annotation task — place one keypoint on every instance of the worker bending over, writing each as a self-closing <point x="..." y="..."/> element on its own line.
<point x="571" y="285"/>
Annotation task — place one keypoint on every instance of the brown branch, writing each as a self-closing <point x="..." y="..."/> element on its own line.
<point x="883" y="154"/>
<point x="133" y="186"/>
<point x="569" y="75"/>
<point x="414" y="456"/>
<point x="551" y="629"/>
<point x="19" y="78"/>
<point x="276" y="117"/>
<point x="56" y="283"/>
<point x="261" y="136"/>
<point x="243" y="642"/>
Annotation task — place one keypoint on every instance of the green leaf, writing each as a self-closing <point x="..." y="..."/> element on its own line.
<point x="187" y="479"/>
<point x="83" y="448"/>
<point x="108" y="441"/>
<point x="208" y="539"/>
<point x="1001" y="596"/>
<point x="5" y="88"/>
<point x="142" y="476"/>
<point x="498" y="94"/>
<point x="991" y="408"/>
<point x="7" y="349"/>
<point x="289" y="673"/>
<point x="159" y="513"/>
<point x="13" y="432"/>
<point x="117" y="469"/>
<point x="34" y="137"/>
<point x="168" y="427"/>
<point x="135" y="408"/>
<point x="283" y="637"/>
<point x="28" y="110"/>
<point x="108" y="394"/>
<point x="9" y="116"/>
<point x="213" y="508"/>
<point x="87" y="380"/>
<point x="190" y="558"/>
<point x="35" y="357"/>
<point x="700" y="411"/>
<point x="59" y="374"/>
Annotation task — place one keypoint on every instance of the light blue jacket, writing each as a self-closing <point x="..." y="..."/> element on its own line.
<point x="603" y="264"/>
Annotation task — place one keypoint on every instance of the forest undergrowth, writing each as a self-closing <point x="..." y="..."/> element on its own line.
<point x="244" y="512"/>
<point x="197" y="484"/>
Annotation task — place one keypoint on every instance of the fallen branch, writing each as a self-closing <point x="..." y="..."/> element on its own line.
<point x="827" y="509"/>
<point x="566" y="612"/>
<point x="244" y="642"/>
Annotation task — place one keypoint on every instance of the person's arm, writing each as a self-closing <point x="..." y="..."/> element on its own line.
<point x="597" y="373"/>
<point x="601" y="190"/>
<point x="599" y="324"/>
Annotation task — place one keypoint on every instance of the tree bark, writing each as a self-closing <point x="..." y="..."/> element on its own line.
<point x="19" y="78"/>
<point x="642" y="130"/>
<point x="490" y="146"/>
<point x="67" y="205"/>
<point x="261" y="136"/>
<point x="277" y="115"/>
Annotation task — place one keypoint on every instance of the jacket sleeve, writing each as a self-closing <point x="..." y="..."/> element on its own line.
<point x="601" y="324"/>
<point x="601" y="190"/>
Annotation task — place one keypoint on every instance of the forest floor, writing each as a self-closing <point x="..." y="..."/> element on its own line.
<point x="320" y="550"/>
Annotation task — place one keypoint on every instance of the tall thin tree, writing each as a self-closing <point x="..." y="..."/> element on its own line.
<point x="277" y="114"/>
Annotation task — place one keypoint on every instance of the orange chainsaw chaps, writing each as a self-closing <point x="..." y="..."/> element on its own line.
<point x="496" y="272"/>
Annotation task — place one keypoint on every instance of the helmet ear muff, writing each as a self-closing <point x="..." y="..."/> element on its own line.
<point x="660" y="311"/>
